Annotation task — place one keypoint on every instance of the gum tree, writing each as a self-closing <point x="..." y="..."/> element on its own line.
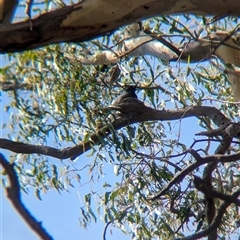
<point x="65" y="64"/>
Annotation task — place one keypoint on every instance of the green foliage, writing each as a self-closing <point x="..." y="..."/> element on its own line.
<point x="63" y="100"/>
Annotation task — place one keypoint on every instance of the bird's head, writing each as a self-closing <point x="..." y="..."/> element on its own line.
<point x="131" y="88"/>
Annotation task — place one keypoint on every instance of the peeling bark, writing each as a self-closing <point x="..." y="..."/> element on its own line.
<point x="92" y="18"/>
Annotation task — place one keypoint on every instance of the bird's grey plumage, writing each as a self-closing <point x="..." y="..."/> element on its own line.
<point x="130" y="93"/>
<point x="128" y="105"/>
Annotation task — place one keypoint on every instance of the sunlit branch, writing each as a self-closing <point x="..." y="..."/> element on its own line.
<point x="84" y="21"/>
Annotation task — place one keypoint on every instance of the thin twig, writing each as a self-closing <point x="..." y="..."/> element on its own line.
<point x="105" y="230"/>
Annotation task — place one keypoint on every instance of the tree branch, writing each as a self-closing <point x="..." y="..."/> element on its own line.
<point x="144" y="114"/>
<point x="199" y="162"/>
<point x="231" y="129"/>
<point x="207" y="182"/>
<point x="7" y="10"/>
<point x="105" y="230"/>
<point x="199" y="184"/>
<point x="89" y="19"/>
<point x="13" y="194"/>
<point x="13" y="86"/>
<point x="215" y="223"/>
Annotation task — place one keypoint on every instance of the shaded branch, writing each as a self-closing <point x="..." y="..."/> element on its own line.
<point x="105" y="230"/>
<point x="144" y="114"/>
<point x="215" y="223"/>
<point x="199" y="184"/>
<point x="9" y="86"/>
<point x="207" y="182"/>
<point x="7" y="10"/>
<point x="13" y="194"/>
<point x="199" y="162"/>
<point x="231" y="129"/>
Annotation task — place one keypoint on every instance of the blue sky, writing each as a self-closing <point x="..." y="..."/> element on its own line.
<point x="60" y="213"/>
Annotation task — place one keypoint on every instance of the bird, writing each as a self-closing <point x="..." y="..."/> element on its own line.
<point x="130" y="93"/>
<point x="127" y="104"/>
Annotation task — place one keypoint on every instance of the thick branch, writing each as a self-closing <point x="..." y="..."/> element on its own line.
<point x="7" y="10"/>
<point x="199" y="184"/>
<point x="90" y="19"/>
<point x="13" y="193"/>
<point x="207" y="182"/>
<point x="231" y="129"/>
<point x="146" y="114"/>
<point x="215" y="223"/>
